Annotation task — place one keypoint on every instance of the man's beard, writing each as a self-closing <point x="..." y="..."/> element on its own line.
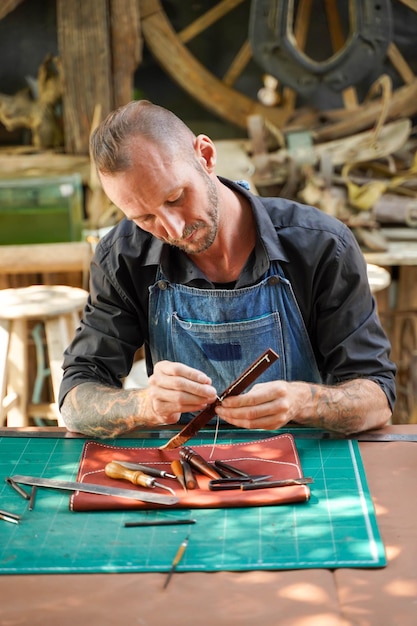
<point x="211" y="226"/>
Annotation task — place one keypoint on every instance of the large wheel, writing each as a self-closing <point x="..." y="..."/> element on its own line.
<point x="172" y="31"/>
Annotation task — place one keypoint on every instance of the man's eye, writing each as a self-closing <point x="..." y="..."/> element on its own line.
<point x="176" y="200"/>
<point x="145" y="219"/>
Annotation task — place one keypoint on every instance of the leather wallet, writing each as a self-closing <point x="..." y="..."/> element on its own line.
<point x="275" y="456"/>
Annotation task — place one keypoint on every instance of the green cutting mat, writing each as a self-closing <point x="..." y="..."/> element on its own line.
<point x="336" y="528"/>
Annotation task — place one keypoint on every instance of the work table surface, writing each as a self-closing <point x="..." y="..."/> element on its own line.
<point x="319" y="597"/>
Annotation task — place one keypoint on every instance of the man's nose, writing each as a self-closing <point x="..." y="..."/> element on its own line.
<point x="174" y="226"/>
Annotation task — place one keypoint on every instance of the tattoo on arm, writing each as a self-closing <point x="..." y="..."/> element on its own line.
<point x="99" y="411"/>
<point x="343" y="407"/>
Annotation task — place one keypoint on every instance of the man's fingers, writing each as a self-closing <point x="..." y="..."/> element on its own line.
<point x="179" y="370"/>
<point x="176" y="387"/>
<point x="264" y="406"/>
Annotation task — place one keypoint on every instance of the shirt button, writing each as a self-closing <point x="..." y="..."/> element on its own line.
<point x="273" y="280"/>
<point x="162" y="284"/>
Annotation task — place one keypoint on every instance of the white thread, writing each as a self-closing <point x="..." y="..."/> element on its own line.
<point x="215" y="437"/>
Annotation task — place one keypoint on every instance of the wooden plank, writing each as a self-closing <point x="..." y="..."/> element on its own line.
<point x="17" y="373"/>
<point x="6" y="6"/>
<point x="86" y="60"/>
<point x="45" y="257"/>
<point x="126" y="42"/>
<point x="66" y="263"/>
<point x="4" y="349"/>
<point x="16" y="164"/>
<point x="407" y="293"/>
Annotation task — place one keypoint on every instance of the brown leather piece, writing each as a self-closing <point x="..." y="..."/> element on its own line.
<point x="275" y="456"/>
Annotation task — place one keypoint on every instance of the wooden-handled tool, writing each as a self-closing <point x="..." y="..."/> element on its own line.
<point x="178" y="470"/>
<point x="189" y="478"/>
<point x="136" y="477"/>
<point x="196" y="460"/>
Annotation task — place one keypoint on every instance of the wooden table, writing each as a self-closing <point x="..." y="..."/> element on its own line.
<point x="345" y="597"/>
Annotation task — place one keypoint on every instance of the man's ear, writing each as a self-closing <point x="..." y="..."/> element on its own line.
<point x="206" y="152"/>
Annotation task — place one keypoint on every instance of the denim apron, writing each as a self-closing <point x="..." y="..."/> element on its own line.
<point x="222" y="331"/>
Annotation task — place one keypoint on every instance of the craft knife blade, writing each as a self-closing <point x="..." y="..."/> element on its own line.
<point x="103" y="490"/>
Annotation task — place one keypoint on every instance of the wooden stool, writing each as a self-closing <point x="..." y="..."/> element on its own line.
<point x="378" y="277"/>
<point x="57" y="307"/>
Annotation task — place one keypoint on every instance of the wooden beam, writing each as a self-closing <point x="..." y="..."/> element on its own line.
<point x="85" y="51"/>
<point x="126" y="43"/>
<point x="45" y="257"/>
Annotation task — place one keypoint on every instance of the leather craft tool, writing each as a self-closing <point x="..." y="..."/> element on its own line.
<point x="177" y="559"/>
<point x="234" y="482"/>
<point x="146" y="469"/>
<point x="6" y="516"/>
<point x="189" y="478"/>
<point x="136" y="477"/>
<point x="197" y="461"/>
<point x="160" y="522"/>
<point x="32" y="498"/>
<point x="240" y="384"/>
<point x="225" y="484"/>
<point x="230" y="472"/>
<point x="69" y="485"/>
<point x="18" y="488"/>
<point x="179" y="473"/>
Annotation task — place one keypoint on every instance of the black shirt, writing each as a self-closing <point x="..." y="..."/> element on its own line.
<point x="318" y="255"/>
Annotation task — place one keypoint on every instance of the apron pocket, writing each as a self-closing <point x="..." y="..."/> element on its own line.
<point x="224" y="350"/>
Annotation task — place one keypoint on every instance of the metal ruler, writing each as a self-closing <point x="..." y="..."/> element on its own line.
<point x="370" y="436"/>
<point x="102" y="490"/>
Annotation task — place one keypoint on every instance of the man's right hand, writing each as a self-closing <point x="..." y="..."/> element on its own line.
<point x="175" y="388"/>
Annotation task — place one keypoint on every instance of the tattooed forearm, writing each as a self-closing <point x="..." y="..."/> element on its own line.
<point x="348" y="407"/>
<point x="336" y="408"/>
<point x="99" y="411"/>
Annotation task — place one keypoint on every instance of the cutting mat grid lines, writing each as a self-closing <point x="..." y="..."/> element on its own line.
<point x="336" y="528"/>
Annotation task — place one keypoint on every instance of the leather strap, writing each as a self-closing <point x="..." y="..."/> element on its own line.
<point x="240" y="384"/>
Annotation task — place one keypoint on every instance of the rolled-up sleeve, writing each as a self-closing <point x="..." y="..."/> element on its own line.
<point x="112" y="328"/>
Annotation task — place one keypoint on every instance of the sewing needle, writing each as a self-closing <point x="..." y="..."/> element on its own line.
<point x="177" y="559"/>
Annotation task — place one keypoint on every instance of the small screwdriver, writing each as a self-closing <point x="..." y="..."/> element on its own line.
<point x="115" y="470"/>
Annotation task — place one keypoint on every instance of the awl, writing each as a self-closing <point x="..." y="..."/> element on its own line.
<point x="102" y="490"/>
